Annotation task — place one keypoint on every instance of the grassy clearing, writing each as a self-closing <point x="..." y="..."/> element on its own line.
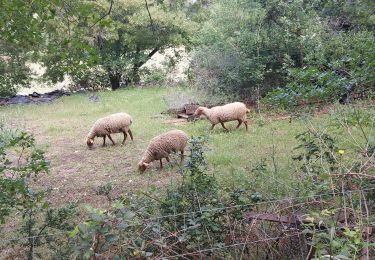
<point x="77" y="172"/>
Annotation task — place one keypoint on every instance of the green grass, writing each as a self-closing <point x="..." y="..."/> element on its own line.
<point x="77" y="172"/>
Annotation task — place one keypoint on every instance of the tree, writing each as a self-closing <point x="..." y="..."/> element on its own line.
<point x="21" y="34"/>
<point x="298" y="48"/>
<point x="118" y="36"/>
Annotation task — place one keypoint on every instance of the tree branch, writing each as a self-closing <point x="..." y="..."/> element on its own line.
<point x="105" y="15"/>
<point x="372" y="177"/>
<point x="151" y="21"/>
<point x="153" y="52"/>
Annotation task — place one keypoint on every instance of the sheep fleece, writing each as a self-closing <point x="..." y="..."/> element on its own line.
<point x="114" y="123"/>
<point x="228" y="112"/>
<point x="162" y="145"/>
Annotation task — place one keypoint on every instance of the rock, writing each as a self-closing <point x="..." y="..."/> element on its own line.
<point x="35" y="95"/>
<point x="190" y="108"/>
<point x="34" y="98"/>
<point x="94" y="98"/>
<point x="185" y="116"/>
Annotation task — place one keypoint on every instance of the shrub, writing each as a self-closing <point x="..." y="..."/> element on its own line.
<point x="307" y="86"/>
<point x="21" y="163"/>
<point x="91" y="79"/>
<point x="154" y="77"/>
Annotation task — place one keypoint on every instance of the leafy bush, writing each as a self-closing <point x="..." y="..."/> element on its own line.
<point x="295" y="50"/>
<point x="308" y="85"/>
<point x="91" y="79"/>
<point x="14" y="73"/>
<point x="154" y="77"/>
<point x="21" y="163"/>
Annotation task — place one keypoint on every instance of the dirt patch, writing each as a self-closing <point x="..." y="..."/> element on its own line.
<point x="176" y="121"/>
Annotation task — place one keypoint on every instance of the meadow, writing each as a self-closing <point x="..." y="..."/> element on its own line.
<point x="76" y="171"/>
<point x="248" y="166"/>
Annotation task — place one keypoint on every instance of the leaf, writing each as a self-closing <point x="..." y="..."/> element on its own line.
<point x="74" y="232"/>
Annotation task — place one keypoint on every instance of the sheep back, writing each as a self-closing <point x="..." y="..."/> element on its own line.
<point x="163" y="145"/>
<point x="228" y="112"/>
<point x="114" y="123"/>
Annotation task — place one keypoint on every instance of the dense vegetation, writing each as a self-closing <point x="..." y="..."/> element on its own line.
<point x="317" y="172"/>
<point x="291" y="51"/>
<point x="294" y="51"/>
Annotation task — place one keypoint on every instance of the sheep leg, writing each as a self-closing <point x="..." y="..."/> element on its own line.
<point x="222" y="124"/>
<point x="161" y="164"/>
<point x="239" y="123"/>
<point x="167" y="158"/>
<point x="212" y="126"/>
<point x="131" y="134"/>
<point x="110" y="138"/>
<point x="125" y="136"/>
<point x="245" y="124"/>
<point x="182" y="158"/>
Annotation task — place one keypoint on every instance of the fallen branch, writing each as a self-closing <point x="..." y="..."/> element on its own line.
<point x="372" y="177"/>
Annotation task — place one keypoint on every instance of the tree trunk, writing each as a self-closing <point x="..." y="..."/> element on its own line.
<point x="115" y="79"/>
<point x="136" y="78"/>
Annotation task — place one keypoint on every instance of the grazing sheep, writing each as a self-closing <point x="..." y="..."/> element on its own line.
<point x="221" y="114"/>
<point x="161" y="146"/>
<point x="115" y="123"/>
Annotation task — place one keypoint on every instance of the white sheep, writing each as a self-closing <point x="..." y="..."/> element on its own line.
<point x="115" y="123"/>
<point x="163" y="145"/>
<point x="221" y="114"/>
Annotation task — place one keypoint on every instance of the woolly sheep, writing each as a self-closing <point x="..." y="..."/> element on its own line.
<point x="161" y="146"/>
<point x="115" y="123"/>
<point x="221" y="114"/>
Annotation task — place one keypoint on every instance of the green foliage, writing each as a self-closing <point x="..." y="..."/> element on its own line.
<point x="245" y="45"/>
<point x="308" y="85"/>
<point x="21" y="33"/>
<point x="295" y="49"/>
<point x="93" y="79"/>
<point x="22" y="24"/>
<point x="21" y="163"/>
<point x="118" y="35"/>
<point x="13" y="70"/>
<point x="105" y="190"/>
<point x="319" y="158"/>
<point x="155" y="77"/>
<point x="196" y="197"/>
<point x="348" y="245"/>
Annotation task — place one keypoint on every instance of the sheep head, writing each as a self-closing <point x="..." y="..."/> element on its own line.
<point x="90" y="142"/>
<point x="199" y="111"/>
<point x="142" y="166"/>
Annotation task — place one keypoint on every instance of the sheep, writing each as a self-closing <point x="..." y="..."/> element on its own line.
<point x="221" y="114"/>
<point x="161" y="146"/>
<point x="115" y="123"/>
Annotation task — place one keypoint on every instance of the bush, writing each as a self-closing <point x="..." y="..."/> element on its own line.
<point x="308" y="86"/>
<point x="91" y="79"/>
<point x="152" y="78"/>
<point x="14" y="73"/>
<point x="21" y="163"/>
